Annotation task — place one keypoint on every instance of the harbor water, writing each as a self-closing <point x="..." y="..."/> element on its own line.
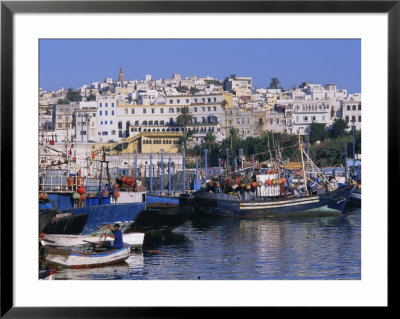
<point x="225" y="248"/>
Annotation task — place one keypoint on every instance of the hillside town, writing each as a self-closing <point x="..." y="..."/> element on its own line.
<point x="146" y="112"/>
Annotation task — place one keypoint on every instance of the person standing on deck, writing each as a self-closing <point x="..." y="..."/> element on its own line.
<point x="117" y="235"/>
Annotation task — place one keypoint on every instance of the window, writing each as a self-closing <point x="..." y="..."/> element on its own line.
<point x="323" y="117"/>
<point x="215" y="108"/>
<point x="347" y="118"/>
<point x="111" y="122"/>
<point x="171" y="101"/>
<point x="187" y="100"/>
<point x="178" y="101"/>
<point x="161" y="122"/>
<point x="171" y="110"/>
<point x="203" y="109"/>
<point x="112" y="105"/>
<point x="153" y="111"/>
<point x="126" y="111"/>
<point x="305" y="118"/>
<point x="144" y="111"/>
<point x="136" y="123"/>
<point x="101" y="112"/>
<point x="132" y="111"/>
<point x="195" y="109"/>
<point x="208" y="100"/>
<point x="354" y="107"/>
<point x="314" y="118"/>
<point x="177" y="110"/>
<point x="195" y="100"/>
<point x="101" y="104"/>
<point x="161" y="110"/>
<point x="113" y="131"/>
<point x="277" y="121"/>
<point x="59" y="125"/>
<point x="359" y="107"/>
<point x="348" y="107"/>
<point x="106" y="104"/>
<point x="359" y="118"/>
<point x="101" y="123"/>
<point x="271" y="121"/>
<point x="106" y="112"/>
<point x="215" y="99"/>
<point x="105" y="133"/>
<point x="353" y="118"/>
<point x="209" y="109"/>
<point x="112" y="112"/>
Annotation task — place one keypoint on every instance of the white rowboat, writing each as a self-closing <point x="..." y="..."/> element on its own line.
<point x="134" y="240"/>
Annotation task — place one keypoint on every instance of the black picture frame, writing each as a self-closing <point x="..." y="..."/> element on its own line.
<point x="9" y="8"/>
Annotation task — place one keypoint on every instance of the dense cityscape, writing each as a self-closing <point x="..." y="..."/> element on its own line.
<point x="192" y="112"/>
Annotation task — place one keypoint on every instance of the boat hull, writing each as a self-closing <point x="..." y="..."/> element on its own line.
<point x="134" y="240"/>
<point x="228" y="205"/>
<point x="107" y="214"/>
<point x="76" y="259"/>
<point x="66" y="224"/>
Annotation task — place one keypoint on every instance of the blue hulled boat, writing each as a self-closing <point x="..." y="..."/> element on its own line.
<point x="280" y="188"/>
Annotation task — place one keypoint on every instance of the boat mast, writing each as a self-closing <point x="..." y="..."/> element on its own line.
<point x="302" y="161"/>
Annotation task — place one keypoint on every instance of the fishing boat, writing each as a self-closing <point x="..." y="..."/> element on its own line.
<point x="63" y="223"/>
<point x="87" y="256"/>
<point x="158" y="217"/>
<point x="73" y="194"/>
<point x="281" y="188"/>
<point x="134" y="240"/>
<point x="45" y="218"/>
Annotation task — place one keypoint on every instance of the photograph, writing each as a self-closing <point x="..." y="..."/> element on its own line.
<point x="199" y="159"/>
<point x="161" y="158"/>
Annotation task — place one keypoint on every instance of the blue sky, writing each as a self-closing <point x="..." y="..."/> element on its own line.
<point x="72" y="63"/>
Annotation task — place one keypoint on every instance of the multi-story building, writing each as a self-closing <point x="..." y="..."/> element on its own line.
<point x="351" y="113"/>
<point x="306" y="112"/>
<point x="107" y="119"/>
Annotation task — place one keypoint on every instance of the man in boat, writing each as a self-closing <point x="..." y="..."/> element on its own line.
<point x="117" y="235"/>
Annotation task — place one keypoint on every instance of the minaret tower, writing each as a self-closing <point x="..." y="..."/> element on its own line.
<point x="121" y="76"/>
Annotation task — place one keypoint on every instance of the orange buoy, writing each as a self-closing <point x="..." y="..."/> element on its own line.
<point x="282" y="180"/>
<point x="79" y="181"/>
<point x="254" y="184"/>
<point x="83" y="196"/>
<point x="268" y="182"/>
<point x="70" y="181"/>
<point x="116" y="193"/>
<point x="105" y="192"/>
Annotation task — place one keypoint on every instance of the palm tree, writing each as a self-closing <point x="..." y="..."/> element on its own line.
<point x="233" y="76"/>
<point x="209" y="141"/>
<point x="184" y="119"/>
<point x="184" y="140"/>
<point x="274" y="83"/>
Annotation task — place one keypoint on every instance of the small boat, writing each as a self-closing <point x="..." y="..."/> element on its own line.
<point x="86" y="256"/>
<point x="134" y="240"/>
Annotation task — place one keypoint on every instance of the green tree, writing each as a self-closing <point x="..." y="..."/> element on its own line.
<point x="91" y="97"/>
<point x="184" y="119"/>
<point x="224" y="103"/>
<point x="338" y="129"/>
<point x="317" y="132"/>
<point x="63" y="101"/>
<point x="182" y="89"/>
<point x="194" y="90"/>
<point x="73" y="96"/>
<point x="274" y="83"/>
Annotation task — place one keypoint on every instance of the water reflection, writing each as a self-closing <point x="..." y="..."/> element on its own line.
<point x="223" y="248"/>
